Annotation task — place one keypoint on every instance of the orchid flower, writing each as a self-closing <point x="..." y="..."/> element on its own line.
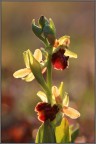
<point x="46" y="111"/>
<point x="61" y="54"/>
<point x="25" y="73"/>
<point x="68" y="111"/>
<point x="64" y="40"/>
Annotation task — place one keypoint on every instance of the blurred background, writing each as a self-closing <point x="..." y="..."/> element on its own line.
<point x="19" y="121"/>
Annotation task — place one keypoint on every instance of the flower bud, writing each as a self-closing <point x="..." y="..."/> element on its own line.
<point x="49" y="34"/>
<point x="37" y="30"/>
<point x="42" y="21"/>
<point x="48" y="29"/>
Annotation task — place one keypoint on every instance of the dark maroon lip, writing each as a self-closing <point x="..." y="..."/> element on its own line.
<point x="59" y="61"/>
<point x="45" y="111"/>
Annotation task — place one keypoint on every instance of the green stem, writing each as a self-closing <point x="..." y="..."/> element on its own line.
<point x="49" y="72"/>
<point x="49" y="75"/>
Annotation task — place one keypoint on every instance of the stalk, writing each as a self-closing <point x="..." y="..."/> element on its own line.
<point x="49" y="72"/>
<point x="49" y="75"/>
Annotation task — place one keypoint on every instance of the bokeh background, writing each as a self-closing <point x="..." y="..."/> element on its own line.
<point x="19" y="121"/>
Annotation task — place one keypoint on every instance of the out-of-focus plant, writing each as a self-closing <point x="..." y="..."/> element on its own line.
<point x="51" y="111"/>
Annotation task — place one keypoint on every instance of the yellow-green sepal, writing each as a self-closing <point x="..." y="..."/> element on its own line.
<point x="52" y="25"/>
<point x="65" y="100"/>
<point x="61" y="89"/>
<point x="70" y="54"/>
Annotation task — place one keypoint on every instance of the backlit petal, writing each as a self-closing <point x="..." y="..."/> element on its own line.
<point x="70" y="54"/>
<point x="38" y="55"/>
<point x="43" y="70"/>
<point x="22" y="73"/>
<point x="26" y="58"/>
<point x="55" y="91"/>
<point x="56" y="94"/>
<point x="56" y="44"/>
<point x="64" y="40"/>
<point x="42" y="96"/>
<point x="29" y="77"/>
<point x="70" y="112"/>
<point x="66" y="100"/>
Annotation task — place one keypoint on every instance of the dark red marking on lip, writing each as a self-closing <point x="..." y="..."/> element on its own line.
<point x="46" y="111"/>
<point x="59" y="61"/>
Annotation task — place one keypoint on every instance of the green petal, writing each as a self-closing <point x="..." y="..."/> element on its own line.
<point x="52" y="25"/>
<point x="62" y="132"/>
<point x="70" y="54"/>
<point x="29" y="78"/>
<point x="42" y="96"/>
<point x="61" y="89"/>
<point x="66" y="100"/>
